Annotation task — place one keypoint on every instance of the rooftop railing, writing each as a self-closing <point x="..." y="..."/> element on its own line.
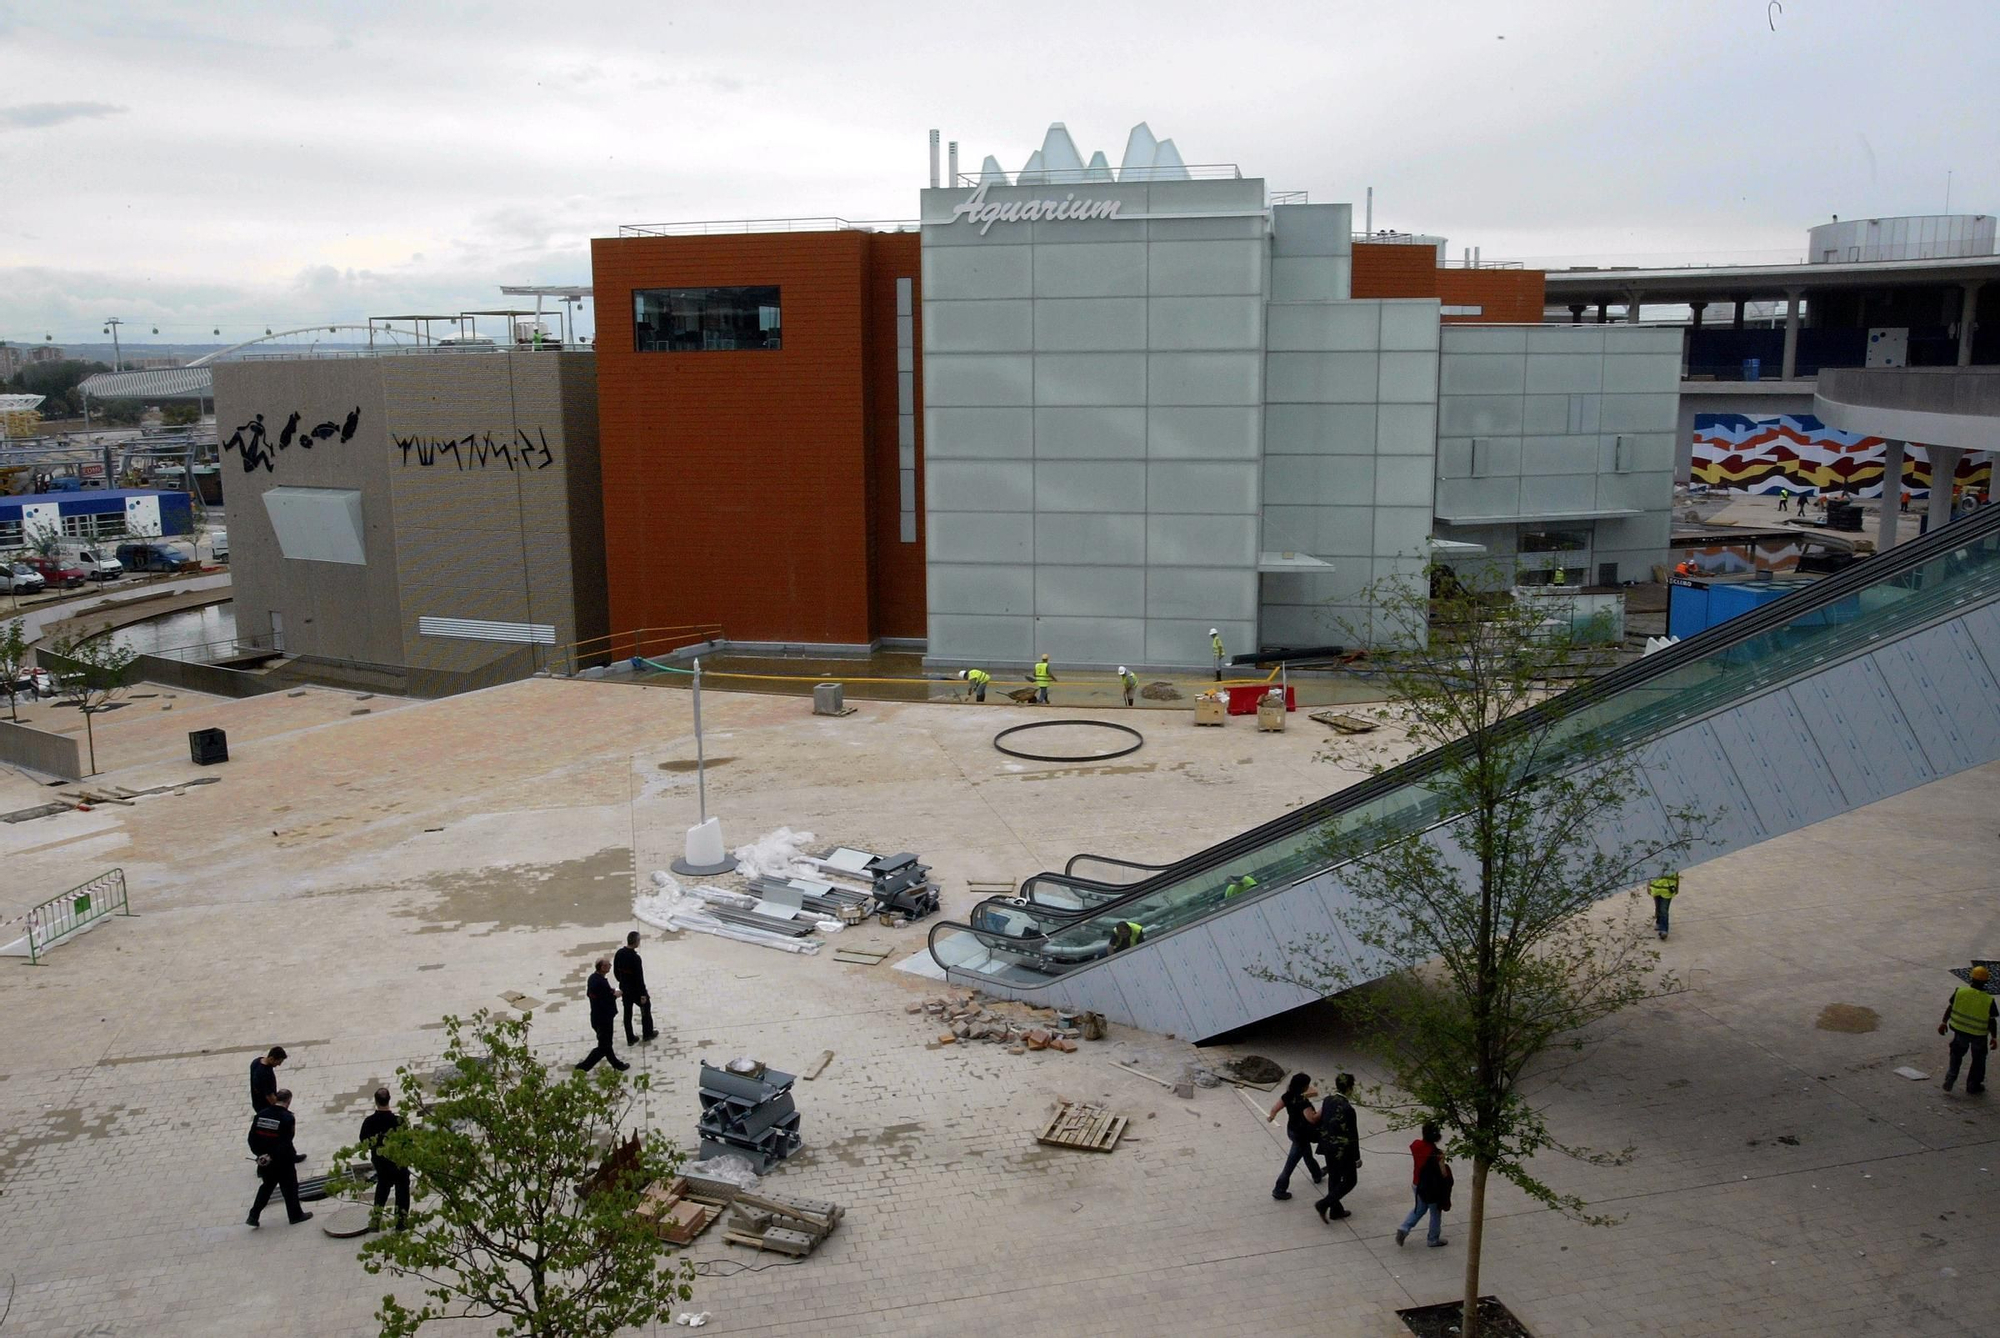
<point x="734" y="226"/>
<point x="1083" y="176"/>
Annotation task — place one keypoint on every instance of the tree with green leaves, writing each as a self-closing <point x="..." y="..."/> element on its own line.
<point x="516" y="1214"/>
<point x="180" y="415"/>
<point x="1485" y="917"/>
<point x="93" y="670"/>
<point x="43" y="539"/>
<point x="14" y="655"/>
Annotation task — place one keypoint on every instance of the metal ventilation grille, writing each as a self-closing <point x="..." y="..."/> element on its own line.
<point x="474" y="629"/>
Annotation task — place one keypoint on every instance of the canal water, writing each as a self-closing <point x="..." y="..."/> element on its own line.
<point x="206" y="633"/>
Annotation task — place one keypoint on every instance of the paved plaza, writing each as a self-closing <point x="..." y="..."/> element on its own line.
<point x="351" y="878"/>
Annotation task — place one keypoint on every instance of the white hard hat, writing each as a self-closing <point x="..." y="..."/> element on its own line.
<point x="1121" y="669"/>
<point x="1213" y="632"/>
<point x="965" y="673"/>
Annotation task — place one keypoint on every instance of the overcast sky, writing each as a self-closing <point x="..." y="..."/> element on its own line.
<point x="241" y="165"/>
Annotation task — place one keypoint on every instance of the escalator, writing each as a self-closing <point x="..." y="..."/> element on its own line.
<point x="1867" y="682"/>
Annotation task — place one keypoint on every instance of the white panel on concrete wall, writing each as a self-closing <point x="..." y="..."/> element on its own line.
<point x="1090" y="378"/>
<point x="1206" y="488"/>
<point x="973" y="272"/>
<point x="1481" y="373"/>
<point x="987" y="589"/>
<point x="1321" y="377"/>
<point x="1478" y="497"/>
<point x="1410" y="325"/>
<point x="1296" y="478"/>
<point x="978" y="379"/>
<point x="1311" y="278"/>
<point x="1205" y="378"/>
<point x="1566" y="338"/>
<point x="1346" y="531"/>
<point x="1090" y="324"/>
<point x="1290" y="529"/>
<point x="1108" y="269"/>
<point x="979" y="327"/>
<point x="1202" y="432"/>
<point x="1322" y="429"/>
<point x="1935" y="676"/>
<point x="1403" y="480"/>
<point x="1203" y="541"/>
<point x="1090" y="433"/>
<point x="1344" y="480"/>
<point x="1408" y="378"/>
<point x="1406" y="429"/>
<point x="1089" y="592"/>
<point x="962" y="637"/>
<point x="978" y="434"/>
<point x="1402" y="532"/>
<point x="979" y="485"/>
<point x="1479" y="416"/>
<point x="1314" y="327"/>
<point x="1558" y="494"/>
<point x="1217" y="595"/>
<point x="1558" y="455"/>
<point x="1195" y="269"/>
<point x="1185" y="640"/>
<point x="1564" y="373"/>
<point x="1204" y="323"/>
<point x="1098" y="641"/>
<point x="1639" y="413"/>
<point x="1090" y="538"/>
<point x="1484" y="339"/>
<point x="1545" y="414"/>
<point x="1647" y="373"/>
<point x="318" y="524"/>
<point x="1090" y="486"/>
<point x="982" y="536"/>
<point x="1312" y="230"/>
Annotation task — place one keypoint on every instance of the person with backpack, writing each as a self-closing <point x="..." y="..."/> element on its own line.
<point x="1430" y="1177"/>
<point x="1340" y="1148"/>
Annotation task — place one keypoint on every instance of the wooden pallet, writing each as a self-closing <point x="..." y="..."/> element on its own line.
<point x="1079" y="1125"/>
<point x="1344" y="723"/>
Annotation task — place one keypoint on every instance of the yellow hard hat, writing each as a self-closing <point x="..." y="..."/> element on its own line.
<point x="1980" y="975"/>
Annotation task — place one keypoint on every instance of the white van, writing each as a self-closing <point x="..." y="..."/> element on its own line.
<point x="100" y="563"/>
<point x="218" y="545"/>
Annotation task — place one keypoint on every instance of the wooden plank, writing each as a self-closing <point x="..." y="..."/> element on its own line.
<point x="1147" y="1076"/>
<point x="1116" y="1132"/>
<point x="818" y="1066"/>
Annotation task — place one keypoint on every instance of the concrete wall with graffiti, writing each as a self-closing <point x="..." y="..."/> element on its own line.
<point x="1796" y="453"/>
<point x="436" y="519"/>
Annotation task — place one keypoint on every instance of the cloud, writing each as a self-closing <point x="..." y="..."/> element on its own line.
<point x="42" y="115"/>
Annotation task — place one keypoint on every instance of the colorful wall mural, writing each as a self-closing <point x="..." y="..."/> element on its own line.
<point x="1795" y="453"/>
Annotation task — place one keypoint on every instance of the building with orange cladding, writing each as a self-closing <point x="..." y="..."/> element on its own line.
<point x="761" y="418"/>
<point x="1399" y="265"/>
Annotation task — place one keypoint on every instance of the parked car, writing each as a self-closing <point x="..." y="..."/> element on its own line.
<point x="58" y="572"/>
<point x="100" y="564"/>
<point x="34" y="683"/>
<point x="218" y="545"/>
<point x="155" y="557"/>
<point x="18" y="578"/>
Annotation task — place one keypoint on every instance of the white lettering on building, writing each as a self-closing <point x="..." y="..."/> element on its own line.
<point x="977" y="210"/>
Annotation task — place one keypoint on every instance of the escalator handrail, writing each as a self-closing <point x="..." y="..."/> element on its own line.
<point x="1070" y="867"/>
<point x="1744" y="627"/>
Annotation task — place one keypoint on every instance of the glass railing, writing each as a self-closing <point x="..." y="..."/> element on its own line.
<point x="1067" y="922"/>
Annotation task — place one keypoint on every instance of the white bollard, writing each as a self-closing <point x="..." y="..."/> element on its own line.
<point x="705" y="854"/>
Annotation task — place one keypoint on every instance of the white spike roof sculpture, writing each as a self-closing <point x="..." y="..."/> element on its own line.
<point x="1058" y="161"/>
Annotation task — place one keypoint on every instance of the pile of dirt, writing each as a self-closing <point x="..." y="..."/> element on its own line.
<point x="1161" y="691"/>
<point x="1255" y="1069"/>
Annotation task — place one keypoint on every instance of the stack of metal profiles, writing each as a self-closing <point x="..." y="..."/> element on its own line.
<point x="750" y="919"/>
<point x="903" y="884"/>
<point x="820" y="898"/>
<point x="747" y="1110"/>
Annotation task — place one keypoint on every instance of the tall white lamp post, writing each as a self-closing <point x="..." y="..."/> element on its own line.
<point x="705" y="854"/>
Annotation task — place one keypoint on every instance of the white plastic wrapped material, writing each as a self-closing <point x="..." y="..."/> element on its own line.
<point x="670" y="906"/>
<point x="776" y="854"/>
<point x="729" y="1168"/>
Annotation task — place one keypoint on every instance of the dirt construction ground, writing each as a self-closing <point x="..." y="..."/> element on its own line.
<point x="351" y="878"/>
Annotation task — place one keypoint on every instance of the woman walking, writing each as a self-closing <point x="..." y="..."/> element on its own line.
<point x="1430" y="1178"/>
<point x="1302" y="1127"/>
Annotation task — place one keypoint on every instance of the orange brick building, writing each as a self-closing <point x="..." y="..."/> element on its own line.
<point x="1411" y="269"/>
<point x="761" y="428"/>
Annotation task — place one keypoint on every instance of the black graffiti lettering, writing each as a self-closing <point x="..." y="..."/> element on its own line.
<point x="547" y="458"/>
<point x="255" y="450"/>
<point x="479" y="451"/>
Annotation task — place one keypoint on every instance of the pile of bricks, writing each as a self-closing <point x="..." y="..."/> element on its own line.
<point x="1017" y="1026"/>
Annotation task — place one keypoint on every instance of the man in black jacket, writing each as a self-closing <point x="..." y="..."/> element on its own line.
<point x="1340" y="1144"/>
<point x="603" y="1012"/>
<point x="631" y="974"/>
<point x="264" y="1077"/>
<point x="388" y="1175"/>
<point x="277" y="1160"/>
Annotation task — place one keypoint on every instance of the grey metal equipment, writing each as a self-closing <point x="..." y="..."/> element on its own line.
<point x="903" y="886"/>
<point x="747" y="1111"/>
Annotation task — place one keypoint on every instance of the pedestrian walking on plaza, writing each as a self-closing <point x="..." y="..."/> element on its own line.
<point x="277" y="1160"/>
<point x="388" y="1175"/>
<point x="1042" y="677"/>
<point x="1663" y="889"/>
<point x="1430" y="1179"/>
<point x="1783" y="497"/>
<point x="1302" y="1127"/>
<point x="978" y="678"/>
<point x="1340" y="1145"/>
<point x="1128" y="681"/>
<point x="1971" y="1015"/>
<point x="603" y="1013"/>
<point x="631" y="974"/>
<point x="1215" y="644"/>
<point x="264" y="1077"/>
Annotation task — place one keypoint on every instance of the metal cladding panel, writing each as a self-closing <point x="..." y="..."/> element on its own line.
<point x="1196" y="966"/>
<point x="1853" y="717"/>
<point x="1150" y="996"/>
<point x="1689" y="769"/>
<point x="1776" y="757"/>
<point x="1947" y="692"/>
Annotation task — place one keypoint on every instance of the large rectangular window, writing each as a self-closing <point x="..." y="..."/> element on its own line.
<point x="704" y="320"/>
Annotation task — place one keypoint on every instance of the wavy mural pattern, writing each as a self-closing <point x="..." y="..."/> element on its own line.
<point x="1796" y="453"/>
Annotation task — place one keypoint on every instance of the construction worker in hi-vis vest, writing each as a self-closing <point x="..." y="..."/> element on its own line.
<point x="1126" y="934"/>
<point x="1215" y="644"/>
<point x="1663" y="889"/>
<point x="1043" y="676"/>
<point x="1971" y="1016"/>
